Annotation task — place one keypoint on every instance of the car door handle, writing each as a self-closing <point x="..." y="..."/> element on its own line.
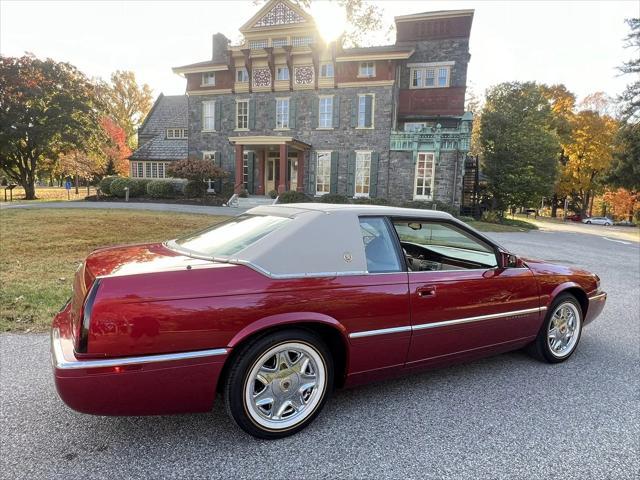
<point x="427" y="291"/>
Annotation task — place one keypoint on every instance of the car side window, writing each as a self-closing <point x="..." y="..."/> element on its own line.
<point x="430" y="246"/>
<point x="379" y="247"/>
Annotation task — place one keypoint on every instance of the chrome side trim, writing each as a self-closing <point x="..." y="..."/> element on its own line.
<point x="60" y="362"/>
<point x="383" y="331"/>
<point x="446" y="323"/>
<point x="479" y="318"/>
<point x="599" y="296"/>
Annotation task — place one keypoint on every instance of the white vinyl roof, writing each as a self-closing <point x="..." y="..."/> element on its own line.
<point x="321" y="239"/>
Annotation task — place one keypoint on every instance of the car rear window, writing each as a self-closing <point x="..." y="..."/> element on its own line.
<point x="231" y="236"/>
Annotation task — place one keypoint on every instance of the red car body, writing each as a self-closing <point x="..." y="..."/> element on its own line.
<point x="155" y="337"/>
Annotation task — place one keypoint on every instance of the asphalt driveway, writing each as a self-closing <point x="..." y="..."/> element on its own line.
<point x="503" y="417"/>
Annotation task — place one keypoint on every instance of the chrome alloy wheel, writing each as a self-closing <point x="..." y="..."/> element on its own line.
<point x="564" y="330"/>
<point x="285" y="385"/>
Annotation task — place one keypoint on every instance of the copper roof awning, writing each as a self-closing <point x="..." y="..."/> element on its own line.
<point x="268" y="140"/>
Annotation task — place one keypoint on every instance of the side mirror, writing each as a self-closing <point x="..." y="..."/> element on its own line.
<point x="508" y="260"/>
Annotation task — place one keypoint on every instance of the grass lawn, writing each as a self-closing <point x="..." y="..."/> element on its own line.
<point x="508" y="226"/>
<point x="41" y="249"/>
<point x="49" y="194"/>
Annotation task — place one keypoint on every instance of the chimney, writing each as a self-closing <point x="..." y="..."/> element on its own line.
<point x="220" y="48"/>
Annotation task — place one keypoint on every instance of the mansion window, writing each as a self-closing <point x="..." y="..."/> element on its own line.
<point x="149" y="169"/>
<point x="325" y="112"/>
<point x="279" y="42"/>
<point x="282" y="113"/>
<point x="326" y="70"/>
<point x="209" y="155"/>
<point x="209" y="79"/>
<point x="242" y="76"/>
<point x="208" y="116"/>
<point x="436" y="76"/>
<point x="323" y="173"/>
<point x="363" y="174"/>
<point x="301" y="41"/>
<point x="176" y="133"/>
<point x="367" y="69"/>
<point x="255" y="44"/>
<point x="365" y="110"/>
<point x="242" y="114"/>
<point x="282" y="73"/>
<point x="414" y="126"/>
<point x="424" y="176"/>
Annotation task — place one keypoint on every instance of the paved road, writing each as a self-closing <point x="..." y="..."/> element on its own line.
<point x="156" y="207"/>
<point x="503" y="417"/>
<point x="614" y="234"/>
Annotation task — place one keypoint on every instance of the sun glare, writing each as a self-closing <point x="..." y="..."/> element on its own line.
<point x="330" y="19"/>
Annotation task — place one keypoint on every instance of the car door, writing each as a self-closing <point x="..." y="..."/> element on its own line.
<point x="460" y="299"/>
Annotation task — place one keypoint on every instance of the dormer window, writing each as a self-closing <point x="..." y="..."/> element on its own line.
<point x="431" y="75"/>
<point x="242" y="76"/>
<point x="209" y="79"/>
<point x="367" y="69"/>
<point x="176" y="133"/>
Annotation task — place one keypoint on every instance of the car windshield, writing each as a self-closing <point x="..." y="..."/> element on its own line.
<point x="232" y="236"/>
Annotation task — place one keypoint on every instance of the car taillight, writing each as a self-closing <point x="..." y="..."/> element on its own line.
<point x="83" y="337"/>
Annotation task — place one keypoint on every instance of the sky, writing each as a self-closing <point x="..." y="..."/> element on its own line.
<point x="578" y="43"/>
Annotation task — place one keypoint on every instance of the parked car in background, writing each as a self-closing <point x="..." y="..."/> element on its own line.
<point x="576" y="217"/>
<point x="277" y="307"/>
<point x="606" y="221"/>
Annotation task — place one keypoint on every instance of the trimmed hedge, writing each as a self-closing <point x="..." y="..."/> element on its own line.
<point x="293" y="197"/>
<point x="161" y="189"/>
<point x="334" y="198"/>
<point x="105" y="184"/>
<point x="137" y="187"/>
<point x="195" y="189"/>
<point x="370" y="201"/>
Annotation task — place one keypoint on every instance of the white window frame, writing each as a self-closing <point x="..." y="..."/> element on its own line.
<point x="242" y="120"/>
<point x="363" y="165"/>
<point x="176" y="133"/>
<point x="282" y="114"/>
<point x="427" y="75"/>
<point x="147" y="169"/>
<point x="373" y="111"/>
<point x="327" y="120"/>
<point x="211" y="115"/>
<point x="302" y="41"/>
<point x="140" y="170"/>
<point x="242" y="75"/>
<point x="324" y="67"/>
<point x="323" y="173"/>
<point x="280" y="73"/>
<point x="257" y="44"/>
<point x="209" y="155"/>
<point x="417" y="196"/>
<point x="279" y="42"/>
<point x="208" y="79"/>
<point x="133" y="166"/>
<point x="367" y="69"/>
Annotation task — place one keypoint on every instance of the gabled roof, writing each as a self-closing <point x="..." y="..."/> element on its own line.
<point x="168" y="111"/>
<point x="382" y="52"/>
<point x="161" y="148"/>
<point x="434" y="15"/>
<point x="277" y="14"/>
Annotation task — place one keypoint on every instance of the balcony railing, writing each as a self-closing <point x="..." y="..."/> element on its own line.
<point x="440" y="139"/>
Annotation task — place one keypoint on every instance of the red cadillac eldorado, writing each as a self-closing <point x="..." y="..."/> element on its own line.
<point x="275" y="308"/>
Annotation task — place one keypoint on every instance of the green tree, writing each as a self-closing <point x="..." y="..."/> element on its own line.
<point x="630" y="98"/>
<point x="47" y="109"/>
<point x="127" y="103"/>
<point x="519" y="146"/>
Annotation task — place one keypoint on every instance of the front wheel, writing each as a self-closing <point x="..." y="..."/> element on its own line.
<point x="560" y="332"/>
<point x="588" y="222"/>
<point x="279" y="383"/>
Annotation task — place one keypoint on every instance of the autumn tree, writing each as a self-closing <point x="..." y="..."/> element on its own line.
<point x="519" y="149"/>
<point x="114" y="148"/>
<point x="127" y="103"/>
<point x="47" y="109"/>
<point x="197" y="171"/>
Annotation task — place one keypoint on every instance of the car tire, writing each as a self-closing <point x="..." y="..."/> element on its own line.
<point x="278" y="383"/>
<point x="607" y="224"/>
<point x="588" y="222"/>
<point x="558" y="338"/>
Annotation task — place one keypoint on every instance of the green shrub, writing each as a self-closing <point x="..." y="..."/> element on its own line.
<point x="466" y="219"/>
<point x="519" y="223"/>
<point x="334" y="198"/>
<point x="160" y="189"/>
<point x="105" y="184"/>
<point x="227" y="189"/>
<point x="273" y="194"/>
<point x="491" y="216"/>
<point x="371" y="201"/>
<point x="195" y="189"/>
<point x="293" y="197"/>
<point x="137" y="187"/>
<point x="244" y="193"/>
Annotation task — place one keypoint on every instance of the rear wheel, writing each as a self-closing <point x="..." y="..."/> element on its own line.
<point x="279" y="383"/>
<point x="588" y="222"/>
<point x="560" y="333"/>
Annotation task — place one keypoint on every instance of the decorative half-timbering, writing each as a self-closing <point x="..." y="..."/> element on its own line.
<point x="280" y="14"/>
<point x="304" y="75"/>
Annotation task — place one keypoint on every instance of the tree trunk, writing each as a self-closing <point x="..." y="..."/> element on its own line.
<point x="554" y="205"/>
<point x="591" y="204"/>
<point x="29" y="189"/>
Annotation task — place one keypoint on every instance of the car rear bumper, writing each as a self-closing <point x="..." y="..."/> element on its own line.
<point x="596" y="305"/>
<point x="146" y="385"/>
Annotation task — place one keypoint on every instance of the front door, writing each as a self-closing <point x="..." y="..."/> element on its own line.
<point x="270" y="174"/>
<point x="293" y="173"/>
<point x="461" y="301"/>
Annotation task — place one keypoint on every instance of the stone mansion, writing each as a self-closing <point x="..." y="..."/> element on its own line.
<point x="286" y="111"/>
